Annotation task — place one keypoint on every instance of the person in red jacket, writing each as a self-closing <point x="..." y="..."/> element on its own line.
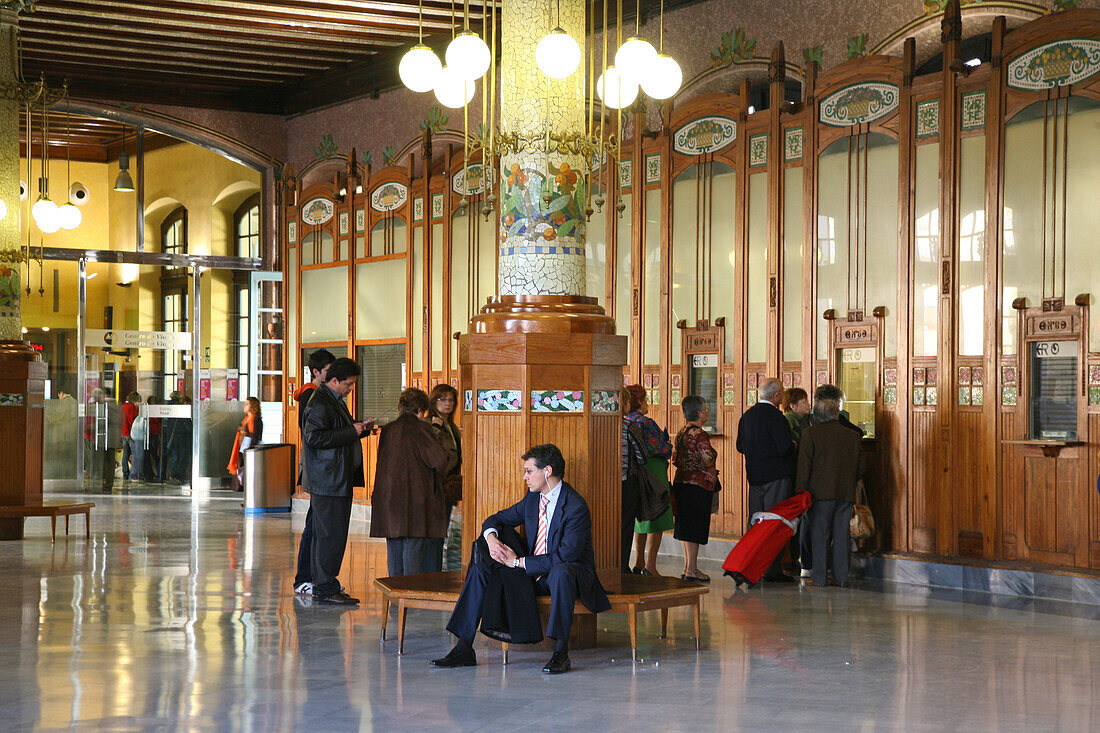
<point x="129" y="455"/>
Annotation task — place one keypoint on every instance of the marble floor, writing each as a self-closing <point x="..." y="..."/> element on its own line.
<point x="178" y="615"/>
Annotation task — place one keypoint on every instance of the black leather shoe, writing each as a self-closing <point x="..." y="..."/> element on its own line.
<point x="558" y="664"/>
<point x="457" y="658"/>
<point x="337" y="599"/>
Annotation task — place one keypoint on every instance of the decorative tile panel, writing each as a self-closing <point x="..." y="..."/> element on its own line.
<point x="360" y="219"/>
<point x="344" y="222"/>
<point x="964" y="375"/>
<point x="292" y="232"/>
<point x="977" y="375"/>
<point x="705" y="135"/>
<point x="654" y="397"/>
<point x="858" y="103"/>
<point x="977" y="396"/>
<point x="418" y="208"/>
<point x="1008" y="395"/>
<point x="674" y="381"/>
<point x="918" y="396"/>
<point x="557" y="401"/>
<point x="758" y="150"/>
<point x="890" y="377"/>
<point x="605" y="400"/>
<point x="729" y="397"/>
<point x="626" y="173"/>
<point x="928" y="118"/>
<point x="12" y="399"/>
<point x="788" y="380"/>
<point x="821" y="377"/>
<point x="674" y="397"/>
<point x="468" y="401"/>
<point x="729" y="380"/>
<point x="750" y="398"/>
<point x="389" y="196"/>
<point x="437" y="206"/>
<point x="469" y="181"/>
<point x="317" y="211"/>
<point x="931" y="395"/>
<point x="792" y="143"/>
<point x="1094" y="396"/>
<point x="653" y="168"/>
<point x="931" y="374"/>
<point x="964" y="395"/>
<point x="1055" y="64"/>
<point x="890" y="395"/>
<point x="1094" y="374"/>
<point x="750" y="380"/>
<point x="499" y="400"/>
<point x="1008" y="374"/>
<point x="972" y="110"/>
<point x="918" y="375"/>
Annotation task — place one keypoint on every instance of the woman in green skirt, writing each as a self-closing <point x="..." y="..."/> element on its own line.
<point x="647" y="535"/>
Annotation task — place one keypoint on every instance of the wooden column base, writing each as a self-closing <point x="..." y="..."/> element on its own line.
<point x="22" y="391"/>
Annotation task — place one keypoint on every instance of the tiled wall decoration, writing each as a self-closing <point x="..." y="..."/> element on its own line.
<point x="972" y="110"/>
<point x="729" y="397"/>
<point x="1008" y="395"/>
<point x="437" y="206"/>
<point x="499" y="400"/>
<point x="557" y="400"/>
<point x="653" y="168"/>
<point x="1094" y="395"/>
<point x="292" y="232"/>
<point x="890" y="377"/>
<point x="12" y="399"/>
<point x="750" y="380"/>
<point x="626" y="173"/>
<point x="928" y="118"/>
<point x="931" y="374"/>
<point x="674" y="397"/>
<point x="1009" y="390"/>
<point x="605" y="400"/>
<point x="360" y="220"/>
<point x="729" y="380"/>
<point x="758" y="150"/>
<point x="918" y="376"/>
<point x="750" y="398"/>
<point x="918" y="396"/>
<point x="343" y="222"/>
<point x="931" y="395"/>
<point x="467" y="401"/>
<point x="821" y="377"/>
<point x="418" y="208"/>
<point x="890" y="395"/>
<point x="788" y="380"/>
<point x="792" y="144"/>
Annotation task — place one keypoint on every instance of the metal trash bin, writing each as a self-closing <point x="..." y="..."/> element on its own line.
<point x="269" y="477"/>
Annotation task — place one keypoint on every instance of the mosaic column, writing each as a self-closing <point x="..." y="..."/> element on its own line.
<point x="11" y="322"/>
<point x="542" y="219"/>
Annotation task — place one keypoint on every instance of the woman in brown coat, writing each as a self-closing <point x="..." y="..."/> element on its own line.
<point x="408" y="506"/>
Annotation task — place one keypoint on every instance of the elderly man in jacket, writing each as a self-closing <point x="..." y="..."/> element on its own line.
<point x="333" y="463"/>
<point x="829" y="465"/>
<point x="408" y="506"/>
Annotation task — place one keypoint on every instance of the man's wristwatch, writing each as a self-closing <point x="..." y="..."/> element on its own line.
<point x="515" y="562"/>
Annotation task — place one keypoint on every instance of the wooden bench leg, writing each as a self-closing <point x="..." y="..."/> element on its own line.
<point x="696" y="612"/>
<point x="88" y="525"/>
<point x="53" y="528"/>
<point x="402" y="613"/>
<point x="633" y="619"/>
<point x="504" y="649"/>
<point x="664" y="623"/>
<point x="66" y="525"/>
<point x="385" y="615"/>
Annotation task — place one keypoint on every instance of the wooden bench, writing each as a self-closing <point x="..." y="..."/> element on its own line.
<point x="439" y="591"/>
<point x="53" y="510"/>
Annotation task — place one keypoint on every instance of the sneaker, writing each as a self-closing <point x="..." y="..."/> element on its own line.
<point x="304" y="589"/>
<point x="805" y="573"/>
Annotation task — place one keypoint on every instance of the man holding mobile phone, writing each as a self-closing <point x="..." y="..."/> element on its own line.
<point x="333" y="461"/>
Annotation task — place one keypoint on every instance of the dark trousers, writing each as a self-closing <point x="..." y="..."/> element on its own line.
<point x="305" y="555"/>
<point x="560" y="584"/>
<point x="331" y="515"/>
<point x="762" y="498"/>
<point x="102" y="469"/>
<point x="127" y="456"/>
<point x="630" y="508"/>
<point x="404" y="555"/>
<point x="431" y="561"/>
<point x="829" y="527"/>
<point x="805" y="549"/>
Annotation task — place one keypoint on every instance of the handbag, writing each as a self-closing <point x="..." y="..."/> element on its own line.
<point x="862" y="524"/>
<point x="452" y="488"/>
<point x="654" y="496"/>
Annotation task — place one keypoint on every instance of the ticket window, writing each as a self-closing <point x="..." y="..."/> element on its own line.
<point x="857" y="377"/>
<point x="1052" y="397"/>
<point x="703" y="381"/>
<point x="703" y="346"/>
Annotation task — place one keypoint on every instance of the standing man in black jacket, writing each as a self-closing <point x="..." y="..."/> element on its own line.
<point x="764" y="438"/>
<point x="333" y="463"/>
<point x="319" y="362"/>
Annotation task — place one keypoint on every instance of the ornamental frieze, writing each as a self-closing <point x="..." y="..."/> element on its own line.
<point x="858" y="103"/>
<point x="705" y="135"/>
<point x="1055" y="64"/>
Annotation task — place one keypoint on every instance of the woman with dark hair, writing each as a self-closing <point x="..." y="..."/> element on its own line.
<point x="443" y="402"/>
<point x="796" y="408"/>
<point x="249" y="433"/>
<point x="658" y="447"/>
<point x="694" y="485"/>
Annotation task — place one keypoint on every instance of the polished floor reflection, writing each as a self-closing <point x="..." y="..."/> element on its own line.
<point x="180" y="616"/>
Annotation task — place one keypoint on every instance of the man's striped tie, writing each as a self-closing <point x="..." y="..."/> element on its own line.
<point x="540" y="542"/>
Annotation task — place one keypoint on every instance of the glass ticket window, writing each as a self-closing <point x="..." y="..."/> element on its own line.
<point x="703" y="381"/>
<point x="856" y="378"/>
<point x="1052" y="406"/>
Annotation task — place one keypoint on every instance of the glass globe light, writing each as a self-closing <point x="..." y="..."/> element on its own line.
<point x="635" y="56"/>
<point x="664" y="78"/>
<point x="616" y="90"/>
<point x="45" y="215"/>
<point x="558" y="55"/>
<point x="452" y="90"/>
<point x="69" y="216"/>
<point x="468" y="55"/>
<point x="419" y="68"/>
<point x="3" y="209"/>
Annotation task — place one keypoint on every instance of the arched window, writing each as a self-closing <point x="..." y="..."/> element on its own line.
<point x="246" y="227"/>
<point x="173" y="232"/>
<point x="174" y="301"/>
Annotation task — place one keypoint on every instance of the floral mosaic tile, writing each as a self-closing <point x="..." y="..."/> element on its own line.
<point x="674" y="381"/>
<point x="1094" y="395"/>
<point x="918" y="375"/>
<point x="856" y="104"/>
<point x="12" y="399"/>
<point x="890" y="376"/>
<point x="964" y="375"/>
<point x="931" y="395"/>
<point x="1094" y="374"/>
<point x="729" y="397"/>
<point x="788" y="380"/>
<point x="890" y="395"/>
<point x="758" y="150"/>
<point x="964" y="395"/>
<point x="605" y="400"/>
<point x="931" y="374"/>
<point x="647" y="380"/>
<point x="653" y="168"/>
<point x="750" y="380"/>
<point x="928" y="118"/>
<point x="343" y="222"/>
<point x="418" y="208"/>
<point x="750" y="398"/>
<point x="655" y="397"/>
<point x="792" y="144"/>
<point x="972" y="110"/>
<point x="977" y="375"/>
<point x="1008" y="395"/>
<point x="729" y="380"/>
<point x="918" y="395"/>
<point x="292" y="232"/>
<point x="821" y="378"/>
<point x="437" y="206"/>
<point x="361" y="219"/>
<point x="1008" y="375"/>
<point x="674" y="397"/>
<point x="704" y="135"/>
<point x="626" y="173"/>
<point x="499" y="400"/>
<point x="468" y="401"/>
<point x="557" y="401"/>
<point x="977" y="395"/>
<point x="1055" y="64"/>
<point x="454" y="382"/>
<point x="798" y="379"/>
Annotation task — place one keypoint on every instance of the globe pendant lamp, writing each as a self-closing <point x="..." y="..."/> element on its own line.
<point x="558" y="55"/>
<point x="635" y="56"/>
<point x="419" y="68"/>
<point x="69" y="217"/>
<point x="45" y="215"/>
<point x="452" y="89"/>
<point x="616" y="90"/>
<point x="663" y="78"/>
<point x="468" y="56"/>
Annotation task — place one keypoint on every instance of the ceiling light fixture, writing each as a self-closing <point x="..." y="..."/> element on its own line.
<point x="123" y="182"/>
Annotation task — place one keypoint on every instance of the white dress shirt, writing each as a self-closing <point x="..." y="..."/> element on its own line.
<point x="551" y="504"/>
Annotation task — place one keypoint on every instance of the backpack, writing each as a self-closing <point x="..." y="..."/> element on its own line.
<point x="138" y="428"/>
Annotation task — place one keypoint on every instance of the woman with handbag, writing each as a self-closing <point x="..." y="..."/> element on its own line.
<point x="443" y="402"/>
<point x="658" y="446"/>
<point x="249" y="433"/>
<point x="694" y="485"/>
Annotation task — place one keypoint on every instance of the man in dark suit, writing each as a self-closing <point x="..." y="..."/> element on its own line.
<point x="764" y="438"/>
<point x="562" y="563"/>
<point x="333" y="461"/>
<point x="319" y="362"/>
<point x="829" y="465"/>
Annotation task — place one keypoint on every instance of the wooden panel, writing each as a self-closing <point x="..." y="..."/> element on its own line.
<point x="967" y="472"/>
<point x="500" y="441"/>
<point x="1039" y="503"/>
<point x="923" y="493"/>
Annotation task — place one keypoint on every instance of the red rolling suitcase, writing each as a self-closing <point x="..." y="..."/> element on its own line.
<point x="769" y="534"/>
